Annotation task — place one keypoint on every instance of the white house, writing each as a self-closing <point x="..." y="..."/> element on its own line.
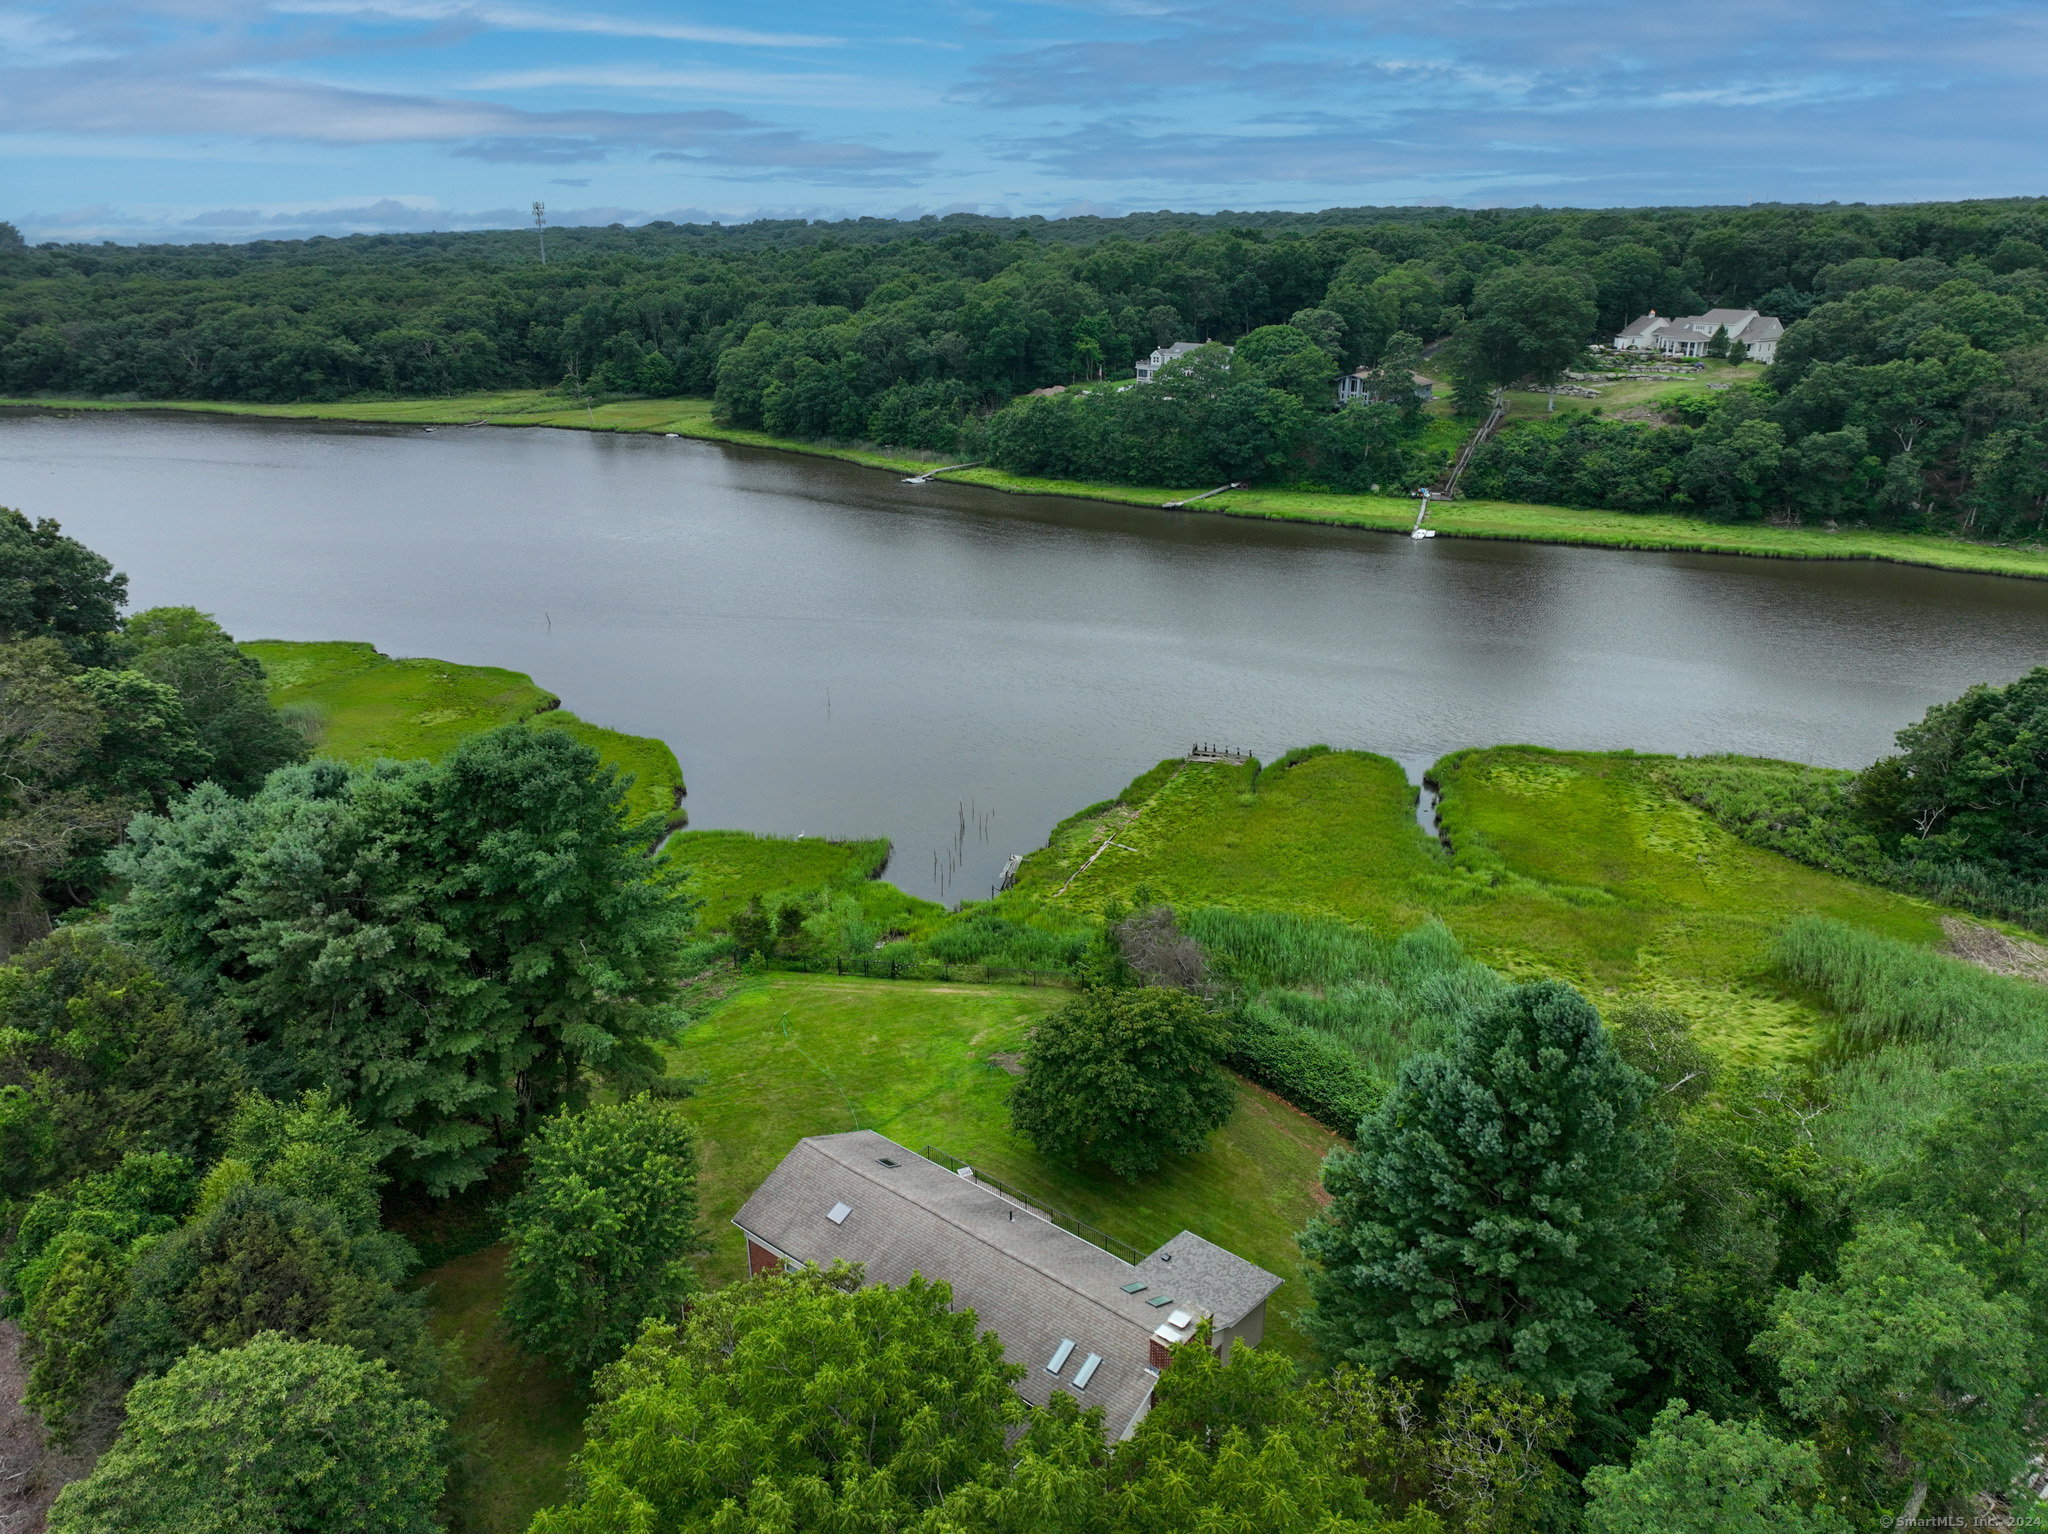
<point x="1688" y="335"/>
<point x="1351" y="389"/>
<point x="1165" y="354"/>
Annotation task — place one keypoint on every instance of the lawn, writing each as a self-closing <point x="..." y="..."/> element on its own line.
<point x="1631" y="393"/>
<point x="1576" y="865"/>
<point x="370" y="705"/>
<point x="797" y="1055"/>
<point x="1460" y="519"/>
<point x="521" y="1422"/>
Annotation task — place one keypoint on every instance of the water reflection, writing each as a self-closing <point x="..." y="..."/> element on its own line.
<point x="833" y="652"/>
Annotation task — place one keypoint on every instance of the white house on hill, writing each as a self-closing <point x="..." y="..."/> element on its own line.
<point x="1688" y="335"/>
<point x="1148" y="366"/>
<point x="1351" y="389"/>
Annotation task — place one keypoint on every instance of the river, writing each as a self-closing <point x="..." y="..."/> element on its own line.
<point x="833" y="652"/>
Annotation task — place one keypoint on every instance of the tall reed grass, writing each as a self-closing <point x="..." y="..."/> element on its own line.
<point x="1907" y="1019"/>
<point x="1382" y="998"/>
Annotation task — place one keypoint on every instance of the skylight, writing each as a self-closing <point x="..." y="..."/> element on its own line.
<point x="838" y="1212"/>
<point x="1160" y="1299"/>
<point x="1088" y="1368"/>
<point x="1137" y="1288"/>
<point x="1060" y="1356"/>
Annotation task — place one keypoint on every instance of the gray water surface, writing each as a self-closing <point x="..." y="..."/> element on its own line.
<point x="830" y="651"/>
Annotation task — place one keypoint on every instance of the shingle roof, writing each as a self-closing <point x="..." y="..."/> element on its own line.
<point x="1032" y="1283"/>
<point x="1208" y="1277"/>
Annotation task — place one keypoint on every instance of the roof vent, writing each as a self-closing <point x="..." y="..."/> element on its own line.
<point x="1060" y="1356"/>
<point x="885" y="1161"/>
<point x="1179" y="1319"/>
<point x="1087" y="1371"/>
<point x="838" y="1212"/>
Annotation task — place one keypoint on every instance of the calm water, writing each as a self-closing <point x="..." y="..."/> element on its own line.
<point x="833" y="652"/>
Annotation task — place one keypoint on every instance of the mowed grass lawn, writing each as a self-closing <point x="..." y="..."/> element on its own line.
<point x="521" y="1421"/>
<point x="370" y="705"/>
<point x="798" y="1055"/>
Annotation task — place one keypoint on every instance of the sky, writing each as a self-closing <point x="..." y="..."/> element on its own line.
<point x="197" y="120"/>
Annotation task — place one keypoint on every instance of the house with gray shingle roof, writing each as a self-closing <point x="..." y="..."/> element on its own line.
<point x="1076" y="1317"/>
<point x="1688" y="335"/>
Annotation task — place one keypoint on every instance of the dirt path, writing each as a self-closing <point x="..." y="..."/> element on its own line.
<point x="31" y="1474"/>
<point x="1988" y="948"/>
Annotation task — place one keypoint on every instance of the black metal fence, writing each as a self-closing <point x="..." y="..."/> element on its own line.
<point x="1093" y="1234"/>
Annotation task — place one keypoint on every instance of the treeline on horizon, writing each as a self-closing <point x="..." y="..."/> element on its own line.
<point x="1911" y="390"/>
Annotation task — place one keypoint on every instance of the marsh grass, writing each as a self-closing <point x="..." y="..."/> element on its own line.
<point x="1584" y="866"/>
<point x="366" y="705"/>
<point x="728" y="868"/>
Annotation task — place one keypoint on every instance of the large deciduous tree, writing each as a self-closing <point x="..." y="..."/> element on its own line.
<point x="221" y="691"/>
<point x="1693" y="1475"/>
<point x="1526" y="322"/>
<point x="100" y="1058"/>
<point x="1971" y="778"/>
<point x="1915" y="1379"/>
<point x="1124" y="1078"/>
<point x="54" y="587"/>
<point x="449" y="947"/>
<point x="602" y="1231"/>
<point x="797" y="1401"/>
<point x="1495" y="1218"/>
<point x="277" y="1434"/>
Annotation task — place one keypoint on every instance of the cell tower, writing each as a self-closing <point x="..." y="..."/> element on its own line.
<point x="540" y="227"/>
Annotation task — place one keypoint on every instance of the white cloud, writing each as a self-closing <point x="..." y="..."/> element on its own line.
<point x="518" y="18"/>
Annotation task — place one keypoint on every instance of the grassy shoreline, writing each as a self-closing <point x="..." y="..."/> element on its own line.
<point x="1499" y="520"/>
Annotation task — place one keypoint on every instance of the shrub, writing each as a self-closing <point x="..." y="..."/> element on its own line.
<point x="1124" y="1077"/>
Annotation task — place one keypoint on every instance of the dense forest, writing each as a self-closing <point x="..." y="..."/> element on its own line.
<point x="1910" y="391"/>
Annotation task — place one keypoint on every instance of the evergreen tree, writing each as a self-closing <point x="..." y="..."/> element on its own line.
<point x="448" y="947"/>
<point x="1494" y="1220"/>
<point x="100" y="1058"/>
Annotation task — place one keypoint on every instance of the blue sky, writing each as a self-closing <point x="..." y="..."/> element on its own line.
<point x="227" y="119"/>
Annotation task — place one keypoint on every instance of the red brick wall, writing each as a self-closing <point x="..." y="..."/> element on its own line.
<point x="759" y="1259"/>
